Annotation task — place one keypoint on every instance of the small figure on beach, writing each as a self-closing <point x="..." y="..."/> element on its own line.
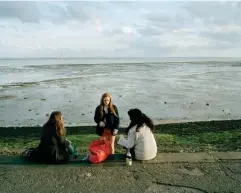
<point x="140" y="139"/>
<point x="107" y="119"/>
<point x="53" y="147"/>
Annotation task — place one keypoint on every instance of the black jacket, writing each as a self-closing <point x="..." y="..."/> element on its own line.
<point x="52" y="149"/>
<point x="112" y="122"/>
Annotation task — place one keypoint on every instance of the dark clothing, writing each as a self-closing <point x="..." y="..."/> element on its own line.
<point x="110" y="120"/>
<point x="132" y="151"/>
<point x="52" y="149"/>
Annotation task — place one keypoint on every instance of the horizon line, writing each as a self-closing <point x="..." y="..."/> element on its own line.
<point x="105" y="57"/>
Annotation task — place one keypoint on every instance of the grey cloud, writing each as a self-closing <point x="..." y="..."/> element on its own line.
<point x="231" y="37"/>
<point x="77" y="13"/>
<point x="215" y="45"/>
<point x="168" y="22"/>
<point x="159" y="24"/>
<point x="222" y="40"/>
<point x="134" y="5"/>
<point x="113" y="32"/>
<point x="151" y="45"/>
<point x="32" y="12"/>
<point x="238" y="5"/>
<point x="59" y="11"/>
<point x="80" y="9"/>
<point x="25" y="11"/>
<point x="193" y="14"/>
<point x="143" y="31"/>
<point x="150" y="31"/>
<point x="61" y="14"/>
<point x="220" y="13"/>
<point x="157" y="18"/>
<point x="126" y="4"/>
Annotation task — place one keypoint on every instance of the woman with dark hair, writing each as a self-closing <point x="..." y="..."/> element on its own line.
<point x="140" y="139"/>
<point x="53" y="147"/>
<point x="107" y="119"/>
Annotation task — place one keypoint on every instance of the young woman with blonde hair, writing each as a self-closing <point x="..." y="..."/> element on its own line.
<point x="107" y="119"/>
<point x="53" y="147"/>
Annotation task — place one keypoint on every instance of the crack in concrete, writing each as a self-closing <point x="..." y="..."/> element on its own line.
<point x="181" y="186"/>
<point x="223" y="168"/>
<point x="232" y="171"/>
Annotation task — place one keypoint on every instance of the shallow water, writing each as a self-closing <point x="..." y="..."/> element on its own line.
<point x="165" y="90"/>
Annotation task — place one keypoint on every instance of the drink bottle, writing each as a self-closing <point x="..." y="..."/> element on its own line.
<point x="128" y="159"/>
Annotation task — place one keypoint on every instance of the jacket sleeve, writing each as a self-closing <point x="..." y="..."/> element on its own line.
<point x="130" y="141"/>
<point x="62" y="141"/>
<point x="117" y="119"/>
<point x="97" y="115"/>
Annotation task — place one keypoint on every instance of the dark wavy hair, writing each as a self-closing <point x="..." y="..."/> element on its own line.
<point x="138" y="118"/>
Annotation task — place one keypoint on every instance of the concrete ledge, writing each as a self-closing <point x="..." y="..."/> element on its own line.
<point x="181" y="157"/>
<point x="160" y="158"/>
<point x="226" y="155"/>
<point x="5" y="159"/>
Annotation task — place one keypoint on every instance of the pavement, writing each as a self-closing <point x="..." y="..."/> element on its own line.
<point x="168" y="172"/>
<point x="160" y="158"/>
<point x="196" y="157"/>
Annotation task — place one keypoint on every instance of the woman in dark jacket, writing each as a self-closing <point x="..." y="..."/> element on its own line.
<point x="53" y="147"/>
<point x="107" y="119"/>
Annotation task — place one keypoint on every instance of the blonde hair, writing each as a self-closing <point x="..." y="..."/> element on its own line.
<point x="55" y="120"/>
<point x="111" y="106"/>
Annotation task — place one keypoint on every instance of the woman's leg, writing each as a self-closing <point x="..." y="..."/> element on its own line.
<point x="112" y="142"/>
<point x="107" y="135"/>
<point x="132" y="151"/>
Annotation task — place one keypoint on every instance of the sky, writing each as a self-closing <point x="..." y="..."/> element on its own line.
<point x="120" y="29"/>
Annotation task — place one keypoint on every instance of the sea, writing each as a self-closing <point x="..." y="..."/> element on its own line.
<point x="165" y="89"/>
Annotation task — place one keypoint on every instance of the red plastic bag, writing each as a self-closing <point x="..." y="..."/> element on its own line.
<point x="99" y="150"/>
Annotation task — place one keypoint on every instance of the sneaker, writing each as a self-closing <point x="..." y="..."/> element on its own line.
<point x="86" y="157"/>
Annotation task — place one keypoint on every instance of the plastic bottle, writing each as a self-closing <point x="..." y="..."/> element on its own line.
<point x="128" y="159"/>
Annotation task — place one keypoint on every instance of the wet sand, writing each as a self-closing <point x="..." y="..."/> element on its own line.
<point x="168" y="92"/>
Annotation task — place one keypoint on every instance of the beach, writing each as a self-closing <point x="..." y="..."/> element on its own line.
<point x="168" y="90"/>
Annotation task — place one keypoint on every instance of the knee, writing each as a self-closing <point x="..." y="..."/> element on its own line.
<point x="113" y="140"/>
<point x="113" y="143"/>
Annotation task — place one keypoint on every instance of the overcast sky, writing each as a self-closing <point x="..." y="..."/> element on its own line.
<point x="120" y="29"/>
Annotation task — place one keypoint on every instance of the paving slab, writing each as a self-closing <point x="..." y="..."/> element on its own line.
<point x="196" y="177"/>
<point x="160" y="158"/>
<point x="226" y="155"/>
<point x="181" y="157"/>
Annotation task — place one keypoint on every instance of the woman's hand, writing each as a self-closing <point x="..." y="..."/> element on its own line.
<point x="115" y="132"/>
<point x="69" y="141"/>
<point x="101" y="124"/>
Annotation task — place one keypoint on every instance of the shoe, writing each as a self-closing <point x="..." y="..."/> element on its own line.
<point x="85" y="158"/>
